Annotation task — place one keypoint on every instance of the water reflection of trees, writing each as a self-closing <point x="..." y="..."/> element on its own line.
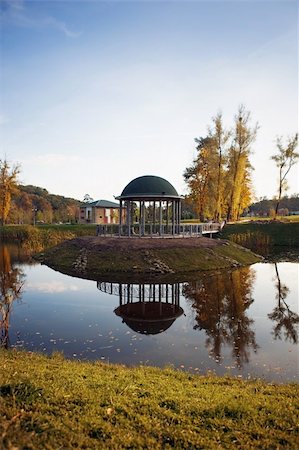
<point x="220" y="303"/>
<point x="11" y="283"/>
<point x="286" y="319"/>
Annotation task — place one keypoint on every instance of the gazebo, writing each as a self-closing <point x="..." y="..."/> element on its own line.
<point x="159" y="207"/>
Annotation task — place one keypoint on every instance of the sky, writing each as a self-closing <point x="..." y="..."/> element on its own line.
<point x="96" y="93"/>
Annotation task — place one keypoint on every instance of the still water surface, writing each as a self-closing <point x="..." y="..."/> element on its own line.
<point x="242" y="322"/>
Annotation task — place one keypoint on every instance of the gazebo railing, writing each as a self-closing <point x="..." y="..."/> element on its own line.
<point x="156" y="230"/>
<point x="152" y="292"/>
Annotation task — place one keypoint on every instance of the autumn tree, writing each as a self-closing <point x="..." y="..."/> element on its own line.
<point x="8" y="185"/>
<point x="23" y="204"/>
<point x="285" y="160"/>
<point x="201" y="177"/>
<point x="220" y="138"/>
<point x="238" y="162"/>
<point x="205" y="177"/>
<point x="219" y="179"/>
<point x="31" y="203"/>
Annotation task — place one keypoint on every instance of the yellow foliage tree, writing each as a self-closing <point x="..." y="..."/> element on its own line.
<point x="238" y="160"/>
<point x="200" y="177"/>
<point x="219" y="179"/>
<point x="8" y="185"/>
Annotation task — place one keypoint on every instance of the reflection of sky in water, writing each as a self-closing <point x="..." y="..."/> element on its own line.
<point x="58" y="312"/>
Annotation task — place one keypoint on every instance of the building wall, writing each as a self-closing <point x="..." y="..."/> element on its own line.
<point x="99" y="215"/>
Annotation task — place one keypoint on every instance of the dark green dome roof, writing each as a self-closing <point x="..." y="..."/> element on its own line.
<point x="149" y="186"/>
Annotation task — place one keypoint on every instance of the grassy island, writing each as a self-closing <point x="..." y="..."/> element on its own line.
<point x="50" y="403"/>
<point x="131" y="258"/>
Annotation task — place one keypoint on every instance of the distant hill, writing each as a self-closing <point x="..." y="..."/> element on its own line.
<point x="33" y="203"/>
<point x="264" y="207"/>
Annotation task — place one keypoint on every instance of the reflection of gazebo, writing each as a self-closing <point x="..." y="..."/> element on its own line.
<point x="163" y="206"/>
<point x="146" y="308"/>
<point x="149" y="318"/>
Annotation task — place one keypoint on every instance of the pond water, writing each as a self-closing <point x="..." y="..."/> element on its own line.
<point x="242" y="322"/>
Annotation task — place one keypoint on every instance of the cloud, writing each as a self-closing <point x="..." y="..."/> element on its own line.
<point x="15" y="4"/>
<point x="51" y="287"/>
<point x="61" y="26"/>
<point x="52" y="160"/>
<point x="14" y="12"/>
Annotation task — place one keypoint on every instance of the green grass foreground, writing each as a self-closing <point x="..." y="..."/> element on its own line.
<point x="51" y="403"/>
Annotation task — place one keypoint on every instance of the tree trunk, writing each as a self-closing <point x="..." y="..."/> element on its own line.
<point x="279" y="194"/>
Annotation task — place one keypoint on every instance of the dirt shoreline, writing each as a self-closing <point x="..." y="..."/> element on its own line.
<point x="137" y="243"/>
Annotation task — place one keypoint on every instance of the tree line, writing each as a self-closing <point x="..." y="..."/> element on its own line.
<point x="31" y="204"/>
<point x="219" y="179"/>
<point x="266" y="207"/>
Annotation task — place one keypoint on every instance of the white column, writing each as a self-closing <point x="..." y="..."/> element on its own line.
<point x="129" y="217"/>
<point x="120" y="221"/>
<point x="160" y="218"/>
<point x="140" y="217"/>
<point x="173" y="216"/>
<point x="143" y="218"/>
<point x="167" y="215"/>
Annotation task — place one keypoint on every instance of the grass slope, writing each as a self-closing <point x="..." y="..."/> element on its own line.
<point x="53" y="403"/>
<point x="37" y="238"/>
<point x="103" y="257"/>
<point x="269" y="234"/>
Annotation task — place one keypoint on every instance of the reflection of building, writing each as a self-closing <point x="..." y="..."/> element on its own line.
<point x="146" y="308"/>
<point x="100" y="211"/>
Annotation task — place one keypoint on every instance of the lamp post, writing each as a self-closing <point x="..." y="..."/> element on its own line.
<point x="34" y="215"/>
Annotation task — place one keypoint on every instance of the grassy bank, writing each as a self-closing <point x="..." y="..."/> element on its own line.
<point x="125" y="259"/>
<point x="263" y="237"/>
<point x="259" y="236"/>
<point x="37" y="238"/>
<point x="53" y="403"/>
